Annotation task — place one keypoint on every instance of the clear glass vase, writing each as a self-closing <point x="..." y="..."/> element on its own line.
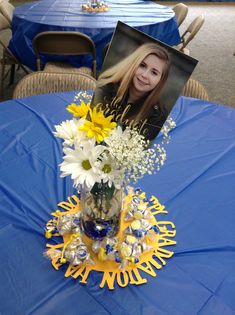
<point x="101" y="210"/>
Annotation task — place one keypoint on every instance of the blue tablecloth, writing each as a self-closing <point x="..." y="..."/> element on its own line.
<point x="53" y="15"/>
<point x="202" y="1"/>
<point x="196" y="185"/>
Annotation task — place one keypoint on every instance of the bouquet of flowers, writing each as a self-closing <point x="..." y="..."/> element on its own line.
<point x="97" y="150"/>
<point x="102" y="159"/>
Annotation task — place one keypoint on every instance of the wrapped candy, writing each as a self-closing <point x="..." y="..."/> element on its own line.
<point x="137" y="210"/>
<point x="131" y="249"/>
<point x="76" y="252"/>
<point x="138" y="206"/>
<point x="140" y="228"/>
<point x="68" y="223"/>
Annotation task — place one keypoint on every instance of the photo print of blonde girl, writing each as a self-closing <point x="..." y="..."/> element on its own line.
<point x="141" y="79"/>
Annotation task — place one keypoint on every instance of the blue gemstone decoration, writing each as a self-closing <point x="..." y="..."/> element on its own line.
<point x="117" y="257"/>
<point x="76" y="221"/>
<point x="82" y="253"/>
<point x="136" y="200"/>
<point x="109" y="249"/>
<point x="156" y="229"/>
<point x="138" y="233"/>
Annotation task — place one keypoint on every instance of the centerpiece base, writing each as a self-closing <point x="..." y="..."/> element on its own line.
<point x="139" y="244"/>
<point x="95" y="6"/>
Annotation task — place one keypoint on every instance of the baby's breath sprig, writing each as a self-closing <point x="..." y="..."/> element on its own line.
<point x="132" y="152"/>
<point x="82" y="96"/>
<point x="166" y="128"/>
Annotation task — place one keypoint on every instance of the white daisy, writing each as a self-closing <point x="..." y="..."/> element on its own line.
<point x="68" y="131"/>
<point x="80" y="164"/>
<point x="109" y="171"/>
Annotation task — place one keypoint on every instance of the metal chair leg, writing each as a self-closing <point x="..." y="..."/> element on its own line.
<point x="12" y="74"/>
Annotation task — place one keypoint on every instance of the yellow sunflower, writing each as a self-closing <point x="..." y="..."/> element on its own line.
<point x="79" y="110"/>
<point x="99" y="126"/>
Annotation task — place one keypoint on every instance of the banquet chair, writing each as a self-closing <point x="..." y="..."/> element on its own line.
<point x="195" y="89"/>
<point x="64" y="44"/>
<point x="181" y="11"/>
<point x="190" y="33"/>
<point x="7" y="9"/>
<point x="7" y="57"/>
<point x="41" y="82"/>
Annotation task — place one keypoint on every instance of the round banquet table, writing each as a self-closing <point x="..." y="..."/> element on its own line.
<point x="196" y="185"/>
<point x="32" y="18"/>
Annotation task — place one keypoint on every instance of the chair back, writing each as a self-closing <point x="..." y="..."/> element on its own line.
<point x="194" y="88"/>
<point x="42" y="82"/>
<point x="181" y="11"/>
<point x="192" y="30"/>
<point x="64" y="43"/>
<point x="4" y="24"/>
<point x="7" y="10"/>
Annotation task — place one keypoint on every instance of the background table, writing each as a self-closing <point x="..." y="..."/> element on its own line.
<point x="196" y="185"/>
<point x="58" y="15"/>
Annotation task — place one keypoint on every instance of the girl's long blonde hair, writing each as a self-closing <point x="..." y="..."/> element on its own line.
<point x="123" y="72"/>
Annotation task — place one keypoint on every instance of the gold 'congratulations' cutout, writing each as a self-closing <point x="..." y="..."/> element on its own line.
<point x="132" y="274"/>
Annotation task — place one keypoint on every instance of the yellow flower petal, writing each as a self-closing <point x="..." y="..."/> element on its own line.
<point x="99" y="126"/>
<point x="78" y="110"/>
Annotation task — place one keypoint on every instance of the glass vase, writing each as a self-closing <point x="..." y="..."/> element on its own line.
<point x="101" y="210"/>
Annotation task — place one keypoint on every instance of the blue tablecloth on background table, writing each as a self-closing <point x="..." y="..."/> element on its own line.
<point x="202" y="1"/>
<point x="58" y="15"/>
<point x="196" y="185"/>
